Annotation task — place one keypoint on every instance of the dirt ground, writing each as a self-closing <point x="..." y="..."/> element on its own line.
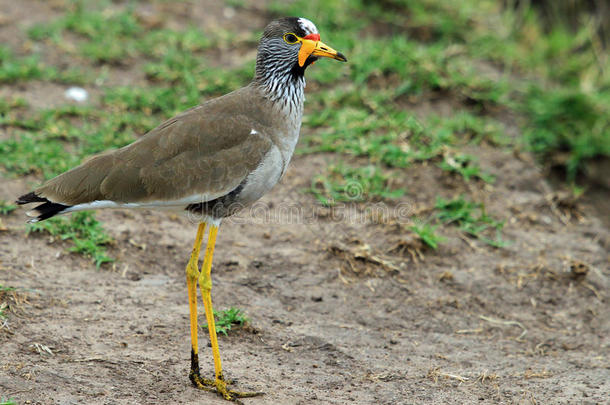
<point x="345" y="308"/>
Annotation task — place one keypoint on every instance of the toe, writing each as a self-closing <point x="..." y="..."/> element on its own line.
<point x="221" y="387"/>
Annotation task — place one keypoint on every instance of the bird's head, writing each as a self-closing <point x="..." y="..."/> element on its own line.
<point x="291" y="44"/>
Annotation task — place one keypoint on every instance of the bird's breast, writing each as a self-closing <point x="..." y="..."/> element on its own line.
<point x="264" y="177"/>
<point x="287" y="144"/>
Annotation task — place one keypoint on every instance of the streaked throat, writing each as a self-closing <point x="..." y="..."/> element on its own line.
<point x="283" y="84"/>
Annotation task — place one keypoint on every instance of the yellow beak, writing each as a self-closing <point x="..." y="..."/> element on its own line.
<point x="317" y="48"/>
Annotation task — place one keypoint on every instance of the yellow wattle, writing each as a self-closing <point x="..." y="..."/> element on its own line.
<point x="307" y="47"/>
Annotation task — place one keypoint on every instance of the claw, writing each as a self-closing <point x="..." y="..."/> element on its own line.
<point x="220" y="386"/>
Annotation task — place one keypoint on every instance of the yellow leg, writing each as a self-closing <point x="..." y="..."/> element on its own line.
<point x="205" y="283"/>
<point x="192" y="274"/>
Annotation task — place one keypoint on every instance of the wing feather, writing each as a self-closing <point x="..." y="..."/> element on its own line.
<point x="199" y="151"/>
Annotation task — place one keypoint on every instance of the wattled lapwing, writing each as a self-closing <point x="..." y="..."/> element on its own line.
<point x="210" y="161"/>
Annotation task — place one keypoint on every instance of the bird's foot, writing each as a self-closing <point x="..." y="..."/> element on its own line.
<point x="221" y="387"/>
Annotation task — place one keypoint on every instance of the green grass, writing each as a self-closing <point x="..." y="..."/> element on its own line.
<point x="115" y="36"/>
<point x="43" y="140"/>
<point x="6" y="208"/>
<point x="3" y="288"/>
<point x="226" y="318"/>
<point x="427" y="233"/>
<point x="353" y="184"/>
<point x="471" y="218"/>
<point x="465" y="166"/>
<point x="14" y="68"/>
<point x="8" y="104"/>
<point x="7" y="401"/>
<point x="83" y="231"/>
<point x="108" y="36"/>
<point x="569" y="124"/>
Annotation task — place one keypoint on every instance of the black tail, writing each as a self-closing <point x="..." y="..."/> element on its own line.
<point x="46" y="210"/>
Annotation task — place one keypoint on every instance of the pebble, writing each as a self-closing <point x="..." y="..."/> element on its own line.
<point x="77" y="94"/>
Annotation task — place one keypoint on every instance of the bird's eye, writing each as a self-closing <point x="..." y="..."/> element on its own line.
<point x="290" y="38"/>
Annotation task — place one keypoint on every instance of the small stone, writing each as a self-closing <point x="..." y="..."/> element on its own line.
<point x="228" y="12"/>
<point x="77" y="94"/>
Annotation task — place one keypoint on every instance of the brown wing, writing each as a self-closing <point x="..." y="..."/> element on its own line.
<point x="204" y="151"/>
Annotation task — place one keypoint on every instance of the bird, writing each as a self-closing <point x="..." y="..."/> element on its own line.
<point x="209" y="162"/>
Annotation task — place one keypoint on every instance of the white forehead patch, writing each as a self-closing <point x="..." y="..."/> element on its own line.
<point x="308" y="26"/>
